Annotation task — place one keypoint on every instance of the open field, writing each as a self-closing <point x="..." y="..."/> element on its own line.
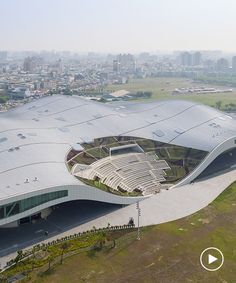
<point x="166" y="253"/>
<point x="162" y="89"/>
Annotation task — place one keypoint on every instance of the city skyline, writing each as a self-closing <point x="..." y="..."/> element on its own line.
<point x="114" y="27"/>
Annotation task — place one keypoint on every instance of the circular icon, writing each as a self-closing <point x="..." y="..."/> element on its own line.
<point x="211" y="259"/>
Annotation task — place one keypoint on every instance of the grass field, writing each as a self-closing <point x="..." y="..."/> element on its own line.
<point x="162" y="89"/>
<point x="166" y="253"/>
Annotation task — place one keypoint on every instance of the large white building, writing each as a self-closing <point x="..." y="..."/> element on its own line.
<point x="37" y="140"/>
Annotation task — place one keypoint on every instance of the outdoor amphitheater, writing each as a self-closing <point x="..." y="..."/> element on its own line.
<point x="60" y="149"/>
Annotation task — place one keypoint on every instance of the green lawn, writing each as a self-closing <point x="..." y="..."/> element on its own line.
<point x="167" y="253"/>
<point x="162" y="89"/>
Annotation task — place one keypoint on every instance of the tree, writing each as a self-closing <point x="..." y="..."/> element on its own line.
<point x="110" y="238"/>
<point x="3" y="99"/>
<point x="19" y="256"/>
<point x="50" y="258"/>
<point x="94" y="228"/>
<point x="67" y="91"/>
<point x="102" y="240"/>
<point x="3" y="278"/>
<point x="218" y="104"/>
<point x="114" y="243"/>
<point x="102" y="99"/>
<point x="33" y="251"/>
<point x="64" y="247"/>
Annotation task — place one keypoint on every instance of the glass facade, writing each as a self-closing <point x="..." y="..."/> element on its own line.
<point x="28" y="203"/>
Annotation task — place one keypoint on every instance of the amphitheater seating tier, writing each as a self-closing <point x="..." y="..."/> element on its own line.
<point x="129" y="172"/>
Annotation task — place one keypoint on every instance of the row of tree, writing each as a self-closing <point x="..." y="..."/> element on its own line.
<point x="21" y="255"/>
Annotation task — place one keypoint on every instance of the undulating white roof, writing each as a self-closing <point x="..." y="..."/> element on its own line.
<point x="35" y="137"/>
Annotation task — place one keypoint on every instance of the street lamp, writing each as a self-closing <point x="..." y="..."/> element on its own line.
<point x="139" y="214"/>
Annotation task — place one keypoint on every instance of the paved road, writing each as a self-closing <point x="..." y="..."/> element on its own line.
<point x="166" y="206"/>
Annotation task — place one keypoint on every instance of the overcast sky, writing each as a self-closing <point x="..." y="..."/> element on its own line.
<point x="117" y="25"/>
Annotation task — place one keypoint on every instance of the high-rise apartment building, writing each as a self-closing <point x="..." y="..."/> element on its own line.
<point x="234" y="64"/>
<point x="190" y="59"/>
<point x="222" y="65"/>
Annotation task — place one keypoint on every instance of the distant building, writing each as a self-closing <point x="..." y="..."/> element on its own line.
<point x="190" y="59"/>
<point x="116" y="66"/>
<point x="196" y="58"/>
<point x="144" y="57"/>
<point x="28" y="65"/>
<point x="186" y="59"/>
<point x="209" y="65"/>
<point x="222" y="65"/>
<point x="234" y="64"/>
<point x="31" y="63"/>
<point x="127" y="62"/>
<point x="3" y="56"/>
<point x="57" y="66"/>
<point x="20" y="93"/>
<point x="120" y="93"/>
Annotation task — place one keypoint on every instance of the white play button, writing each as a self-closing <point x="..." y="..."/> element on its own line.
<point x="211" y="259"/>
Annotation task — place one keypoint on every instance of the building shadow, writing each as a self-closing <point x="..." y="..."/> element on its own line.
<point x="64" y="217"/>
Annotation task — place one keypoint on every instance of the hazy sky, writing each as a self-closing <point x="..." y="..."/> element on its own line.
<point x="117" y="25"/>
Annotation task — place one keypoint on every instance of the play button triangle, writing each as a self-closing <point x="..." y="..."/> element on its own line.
<point x="211" y="259"/>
